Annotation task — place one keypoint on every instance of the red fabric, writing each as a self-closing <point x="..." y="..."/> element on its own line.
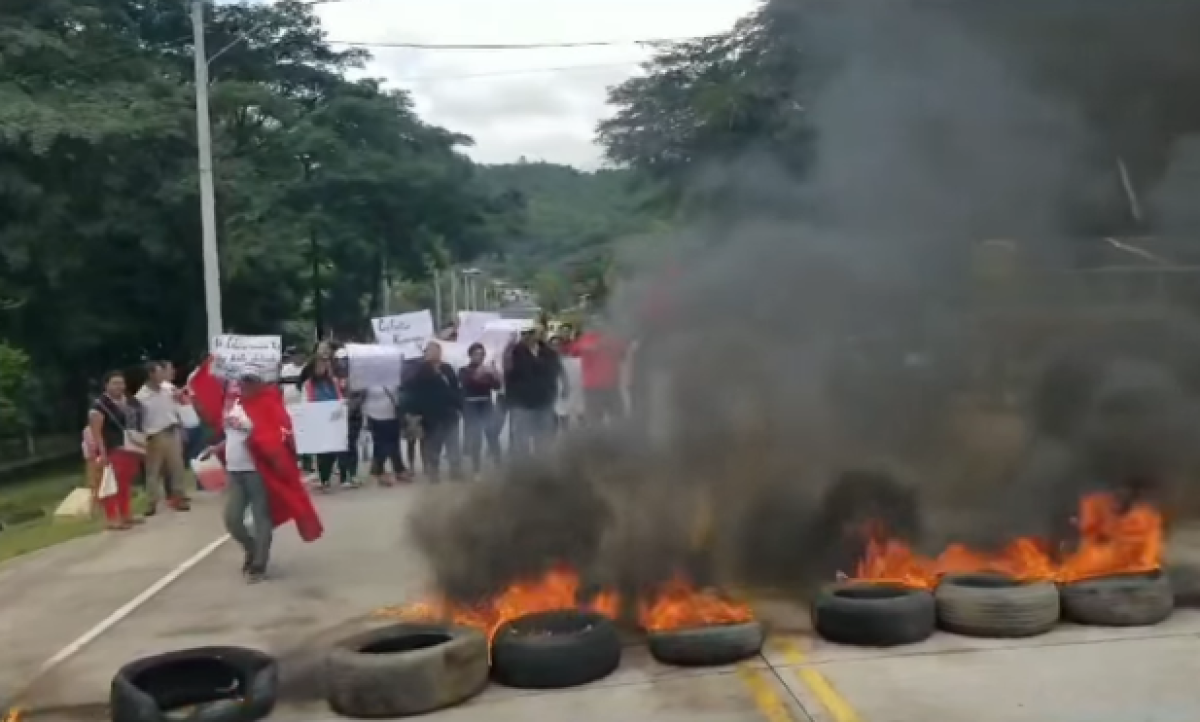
<point x="125" y="465"/>
<point x="271" y="445"/>
<point x="600" y="358"/>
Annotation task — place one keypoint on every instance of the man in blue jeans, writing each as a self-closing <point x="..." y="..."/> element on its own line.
<point x="532" y="383"/>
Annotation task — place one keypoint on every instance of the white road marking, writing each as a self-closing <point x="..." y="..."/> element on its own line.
<point x="129" y="607"/>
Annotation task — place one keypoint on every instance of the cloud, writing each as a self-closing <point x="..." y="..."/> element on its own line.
<point x="540" y="104"/>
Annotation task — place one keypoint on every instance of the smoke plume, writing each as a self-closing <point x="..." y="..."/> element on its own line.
<point x="833" y="355"/>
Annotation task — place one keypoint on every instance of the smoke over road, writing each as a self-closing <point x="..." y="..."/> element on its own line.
<point x="828" y="336"/>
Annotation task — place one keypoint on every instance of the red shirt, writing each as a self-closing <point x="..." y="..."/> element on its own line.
<point x="600" y="356"/>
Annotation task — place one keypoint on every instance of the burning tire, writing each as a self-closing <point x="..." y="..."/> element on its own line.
<point x="405" y="669"/>
<point x="218" y="684"/>
<point x="551" y="650"/>
<point x="1124" y="600"/>
<point x="993" y="605"/>
<point x="706" y="646"/>
<point x="874" y="615"/>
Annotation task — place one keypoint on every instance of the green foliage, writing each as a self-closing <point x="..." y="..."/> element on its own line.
<point x="708" y="105"/>
<point x="320" y="181"/>
<point x="573" y="221"/>
<point x="14" y="373"/>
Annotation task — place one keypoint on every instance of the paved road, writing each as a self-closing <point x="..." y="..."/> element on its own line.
<point x="1090" y="675"/>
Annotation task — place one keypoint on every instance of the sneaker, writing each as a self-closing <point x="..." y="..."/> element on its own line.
<point x="254" y="576"/>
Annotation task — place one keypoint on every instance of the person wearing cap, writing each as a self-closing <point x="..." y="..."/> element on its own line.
<point x="259" y="454"/>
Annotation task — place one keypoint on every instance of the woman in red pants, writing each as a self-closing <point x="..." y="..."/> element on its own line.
<point x="116" y="423"/>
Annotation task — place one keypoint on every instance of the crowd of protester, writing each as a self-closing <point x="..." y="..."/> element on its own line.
<point x="435" y="417"/>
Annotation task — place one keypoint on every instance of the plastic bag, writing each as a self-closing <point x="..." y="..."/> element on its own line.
<point x="210" y="473"/>
<point x="188" y="416"/>
<point x="108" y="483"/>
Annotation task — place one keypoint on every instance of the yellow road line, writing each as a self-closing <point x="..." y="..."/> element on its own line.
<point x="764" y="693"/>
<point x="834" y="703"/>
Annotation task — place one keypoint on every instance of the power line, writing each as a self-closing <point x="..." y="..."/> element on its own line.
<point x="512" y="46"/>
<point x="522" y="71"/>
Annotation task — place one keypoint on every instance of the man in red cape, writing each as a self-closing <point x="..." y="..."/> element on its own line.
<point x="271" y="444"/>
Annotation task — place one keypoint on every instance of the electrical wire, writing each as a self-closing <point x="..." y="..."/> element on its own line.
<point x="514" y="46"/>
<point x="521" y="71"/>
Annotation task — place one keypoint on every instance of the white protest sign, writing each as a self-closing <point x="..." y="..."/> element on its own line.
<point x="234" y="355"/>
<point x="498" y="334"/>
<point x="454" y="353"/>
<point x="373" y="365"/>
<point x="321" y="427"/>
<point x="471" y="324"/>
<point x="409" y="331"/>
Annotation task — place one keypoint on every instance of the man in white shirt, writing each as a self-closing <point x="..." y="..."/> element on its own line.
<point x="163" y="445"/>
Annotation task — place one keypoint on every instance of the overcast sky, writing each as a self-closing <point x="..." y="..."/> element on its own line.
<point x="518" y="103"/>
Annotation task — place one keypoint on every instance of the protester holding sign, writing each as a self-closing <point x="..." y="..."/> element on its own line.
<point x="435" y="398"/>
<point x="381" y="406"/>
<point x="478" y="382"/>
<point x="263" y="463"/>
<point x="322" y="385"/>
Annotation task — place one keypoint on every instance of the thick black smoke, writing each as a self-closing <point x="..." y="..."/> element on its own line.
<point x="832" y="355"/>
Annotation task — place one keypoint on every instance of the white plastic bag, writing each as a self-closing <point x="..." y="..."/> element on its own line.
<point x="108" y="483"/>
<point x="210" y="473"/>
<point x="188" y="416"/>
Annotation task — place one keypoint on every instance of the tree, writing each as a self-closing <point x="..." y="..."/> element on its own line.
<point x="324" y="185"/>
<point x="715" y="103"/>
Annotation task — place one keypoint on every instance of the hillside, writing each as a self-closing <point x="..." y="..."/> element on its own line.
<point x="572" y="218"/>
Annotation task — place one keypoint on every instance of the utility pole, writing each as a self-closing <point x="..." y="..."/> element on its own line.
<point x="437" y="299"/>
<point x="454" y="293"/>
<point x="208" y="204"/>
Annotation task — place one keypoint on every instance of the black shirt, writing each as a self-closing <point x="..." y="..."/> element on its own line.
<point x="117" y="420"/>
<point x="433" y="393"/>
<point x="531" y="381"/>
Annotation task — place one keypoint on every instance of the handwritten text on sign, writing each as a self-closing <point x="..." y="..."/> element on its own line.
<point x="235" y="355"/>
<point x="410" y="331"/>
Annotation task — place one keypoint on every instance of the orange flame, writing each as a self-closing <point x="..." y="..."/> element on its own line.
<point x="557" y="589"/>
<point x="678" y="604"/>
<point x="1110" y="542"/>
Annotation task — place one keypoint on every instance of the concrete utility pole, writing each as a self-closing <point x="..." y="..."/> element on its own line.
<point x="437" y="299"/>
<point x="454" y="294"/>
<point x="208" y="205"/>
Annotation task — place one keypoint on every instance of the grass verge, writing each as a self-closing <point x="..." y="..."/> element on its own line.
<point x="38" y="496"/>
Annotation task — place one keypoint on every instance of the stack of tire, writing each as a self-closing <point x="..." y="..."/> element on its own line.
<point x="404" y="669"/>
<point x="986" y="605"/>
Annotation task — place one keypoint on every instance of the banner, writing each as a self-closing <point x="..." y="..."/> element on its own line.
<point x="234" y="356"/>
<point x="498" y="334"/>
<point x="373" y="365"/>
<point x="454" y="353"/>
<point x="321" y="427"/>
<point x="409" y="331"/>
<point x="471" y="324"/>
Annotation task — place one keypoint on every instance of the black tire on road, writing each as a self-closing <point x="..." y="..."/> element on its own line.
<point x="874" y="615"/>
<point x="552" y="650"/>
<point x="709" y="646"/>
<point x="1124" y="600"/>
<point x="405" y="669"/>
<point x="993" y="605"/>
<point x="205" y="684"/>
